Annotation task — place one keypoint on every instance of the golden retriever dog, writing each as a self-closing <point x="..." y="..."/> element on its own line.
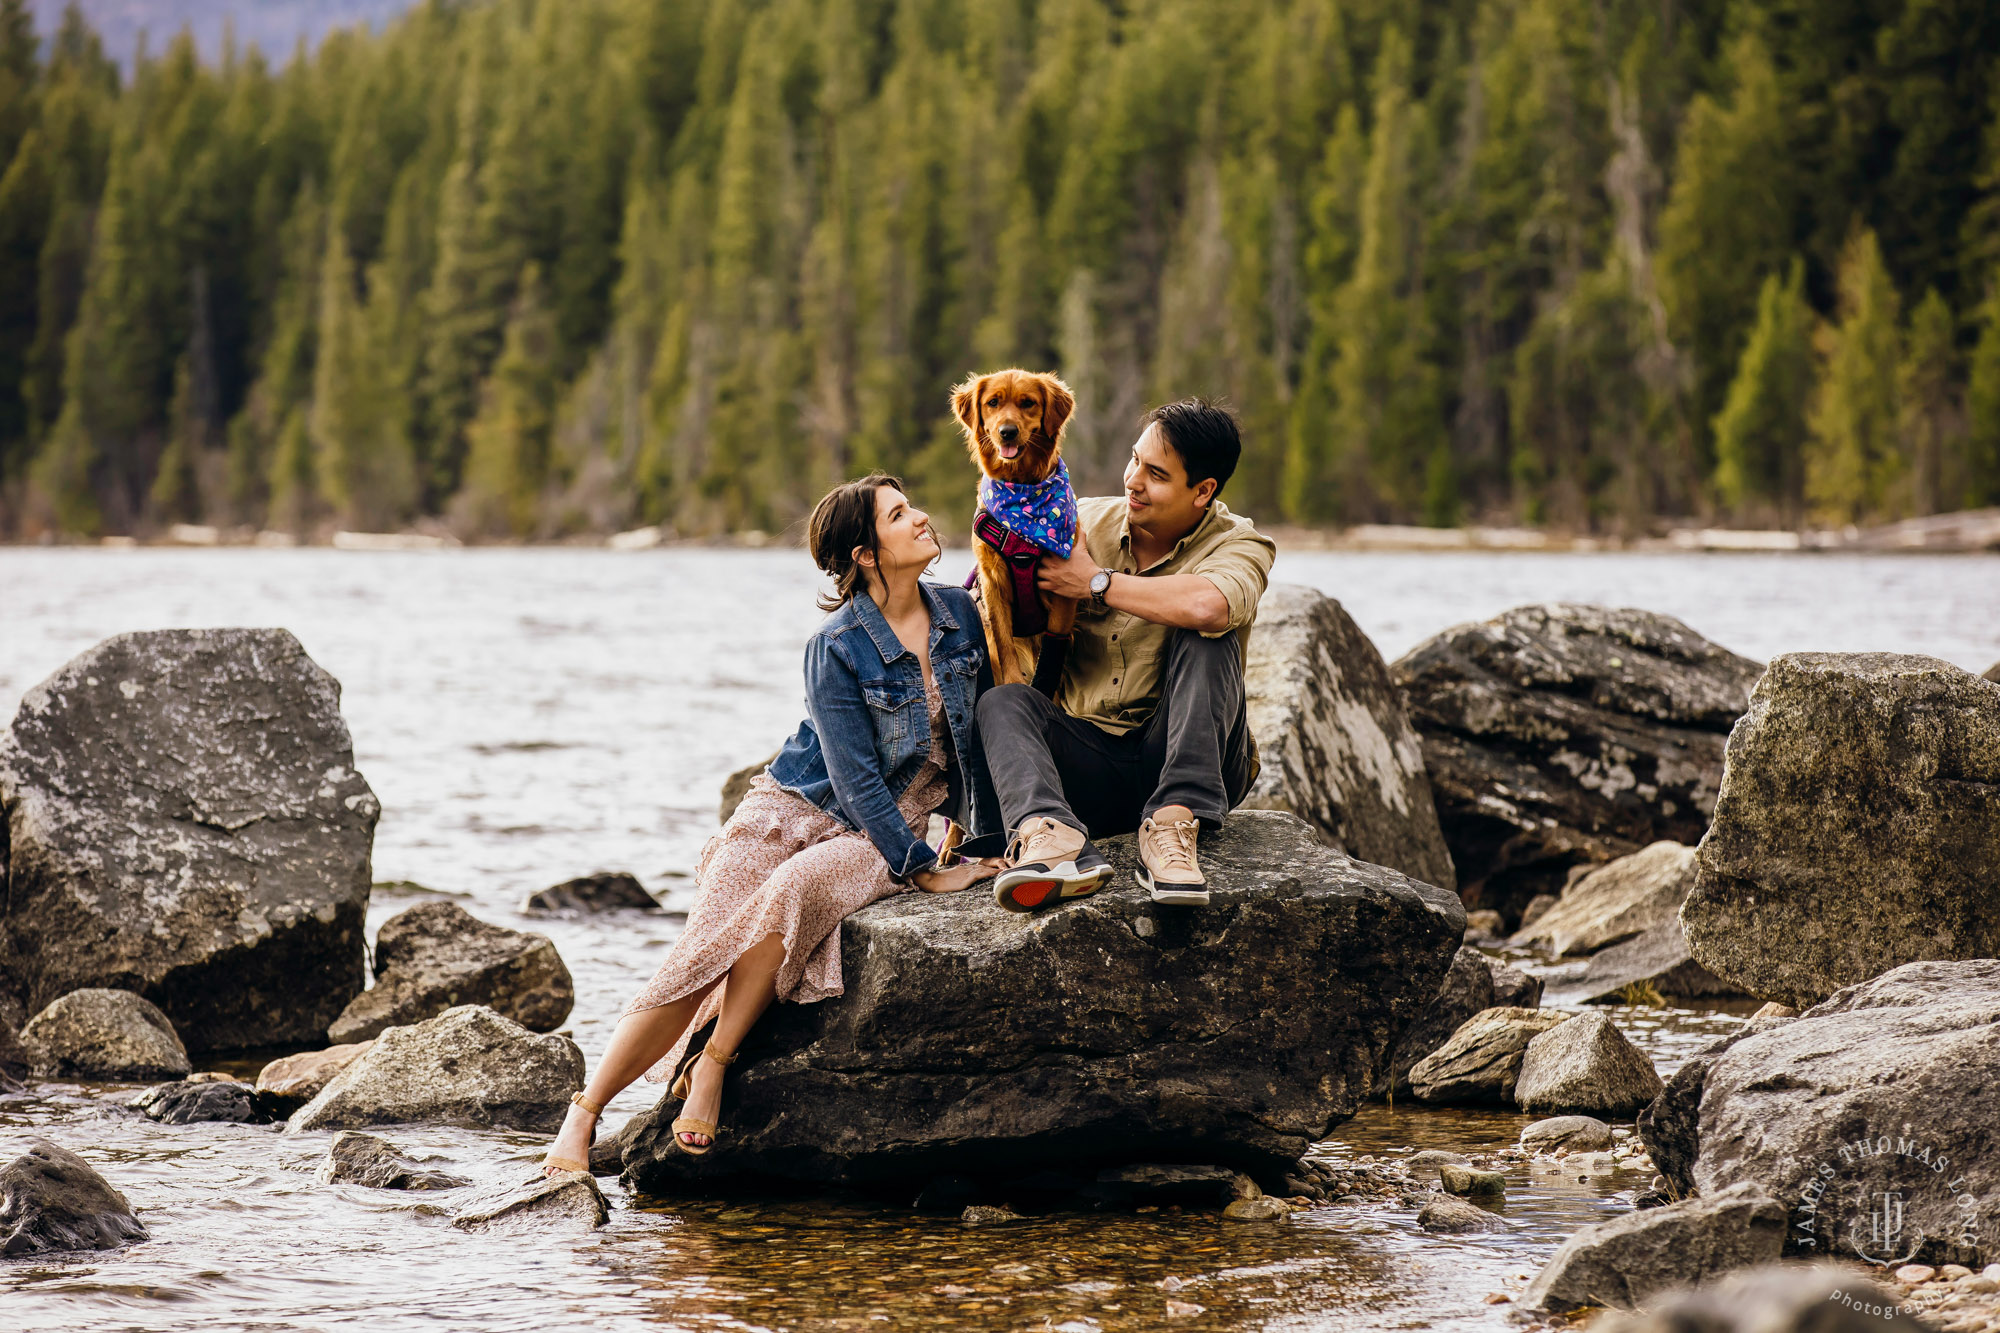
<point x="1013" y="422"/>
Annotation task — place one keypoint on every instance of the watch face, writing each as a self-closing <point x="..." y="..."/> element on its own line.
<point x="1100" y="582"/>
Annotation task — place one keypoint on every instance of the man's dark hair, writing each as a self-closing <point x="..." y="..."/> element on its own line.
<point x="1204" y="435"/>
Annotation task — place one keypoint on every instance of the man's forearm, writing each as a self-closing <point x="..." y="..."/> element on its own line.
<point x="1184" y="601"/>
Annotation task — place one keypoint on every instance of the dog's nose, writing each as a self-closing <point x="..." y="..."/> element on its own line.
<point x="1009" y="431"/>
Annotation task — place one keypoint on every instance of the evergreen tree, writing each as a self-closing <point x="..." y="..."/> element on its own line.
<point x="1982" y="443"/>
<point x="1760" y="432"/>
<point x="1932" y="430"/>
<point x="363" y="466"/>
<point x="1853" y="464"/>
<point x="507" y="462"/>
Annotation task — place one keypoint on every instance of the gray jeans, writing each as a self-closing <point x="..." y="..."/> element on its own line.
<point x="1194" y="751"/>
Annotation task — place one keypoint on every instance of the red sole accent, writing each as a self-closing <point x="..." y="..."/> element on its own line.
<point x="1033" y="893"/>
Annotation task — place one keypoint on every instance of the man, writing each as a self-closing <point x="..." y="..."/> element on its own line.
<point x="1150" y="732"/>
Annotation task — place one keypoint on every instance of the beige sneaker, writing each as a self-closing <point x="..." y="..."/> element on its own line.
<point x="1167" y="865"/>
<point x="1051" y="862"/>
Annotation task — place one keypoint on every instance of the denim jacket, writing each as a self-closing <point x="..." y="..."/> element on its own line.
<point x="867" y="730"/>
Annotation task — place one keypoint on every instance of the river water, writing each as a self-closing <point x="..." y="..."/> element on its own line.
<point x="529" y="715"/>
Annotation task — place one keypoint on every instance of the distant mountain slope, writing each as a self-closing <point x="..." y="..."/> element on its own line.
<point x="273" y="26"/>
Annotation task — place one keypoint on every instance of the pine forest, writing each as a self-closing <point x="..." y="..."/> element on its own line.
<point x="525" y="269"/>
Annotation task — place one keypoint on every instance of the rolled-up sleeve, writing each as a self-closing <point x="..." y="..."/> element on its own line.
<point x="1239" y="568"/>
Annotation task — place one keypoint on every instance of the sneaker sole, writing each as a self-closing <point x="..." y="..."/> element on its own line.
<point x="1032" y="892"/>
<point x="1172" y="895"/>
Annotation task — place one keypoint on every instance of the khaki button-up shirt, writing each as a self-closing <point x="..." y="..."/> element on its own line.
<point x="1113" y="674"/>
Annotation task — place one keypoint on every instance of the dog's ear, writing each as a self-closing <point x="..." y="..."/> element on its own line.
<point x="1057" y="403"/>
<point x="965" y="403"/>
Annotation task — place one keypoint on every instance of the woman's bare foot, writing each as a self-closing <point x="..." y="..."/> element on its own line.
<point x="704" y="1099"/>
<point x="573" y="1139"/>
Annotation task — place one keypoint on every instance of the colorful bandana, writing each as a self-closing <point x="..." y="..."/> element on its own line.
<point x="1044" y="512"/>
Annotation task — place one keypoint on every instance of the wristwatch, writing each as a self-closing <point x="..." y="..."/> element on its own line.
<point x="1100" y="583"/>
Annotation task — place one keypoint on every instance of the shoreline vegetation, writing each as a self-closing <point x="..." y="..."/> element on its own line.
<point x="1971" y="531"/>
<point x="561" y="266"/>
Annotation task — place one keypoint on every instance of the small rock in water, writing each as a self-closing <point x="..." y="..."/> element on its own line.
<point x="104" y="1034"/>
<point x="1953" y="1272"/>
<point x="1586" y="1064"/>
<point x="1627" y="1260"/>
<point x="1513" y="988"/>
<point x="299" y="1078"/>
<point x="435" y="955"/>
<point x="1265" y="1209"/>
<point x="1772" y="1009"/>
<point x="1423" y="1162"/>
<point x="1242" y="1187"/>
<point x="1458" y="1179"/>
<point x="1482" y="1059"/>
<point x="605" y="891"/>
<point x="198" y="1098"/>
<point x="1452" y="1216"/>
<point x="364" y="1159"/>
<point x="51" y="1199"/>
<point x="467" y="1065"/>
<point x="1184" y="1309"/>
<point x="987" y="1215"/>
<point x="1484" y="922"/>
<point x="1537" y="906"/>
<point x="1911" y="1274"/>
<point x="1567" y="1133"/>
<point x="571" y="1202"/>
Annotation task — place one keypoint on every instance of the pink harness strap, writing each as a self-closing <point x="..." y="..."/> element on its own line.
<point x="1021" y="556"/>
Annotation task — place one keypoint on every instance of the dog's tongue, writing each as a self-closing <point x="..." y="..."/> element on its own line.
<point x="1010" y="450"/>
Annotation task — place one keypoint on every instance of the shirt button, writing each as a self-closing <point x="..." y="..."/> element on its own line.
<point x="1114" y="680"/>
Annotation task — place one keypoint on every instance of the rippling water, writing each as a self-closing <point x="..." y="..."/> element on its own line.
<point x="528" y="715"/>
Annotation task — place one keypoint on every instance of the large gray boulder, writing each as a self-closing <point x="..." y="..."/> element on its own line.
<point x="437" y="955"/>
<point x="1106" y="1031"/>
<point x="1467" y="989"/>
<point x="1858" y="827"/>
<point x="1585" y="1065"/>
<point x="104" y="1034"/>
<point x="1614" y="902"/>
<point x="51" y="1199"/>
<point x="1772" y="1298"/>
<point x="1624" y="1261"/>
<point x="588" y="895"/>
<point x="1337" y="749"/>
<point x="1560" y="735"/>
<point x="185" y="821"/>
<point x="1481" y="1060"/>
<point x="1891" y="1086"/>
<point x="468" y="1065"/>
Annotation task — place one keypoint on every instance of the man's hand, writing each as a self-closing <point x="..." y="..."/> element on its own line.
<point x="959" y="877"/>
<point x="1067" y="578"/>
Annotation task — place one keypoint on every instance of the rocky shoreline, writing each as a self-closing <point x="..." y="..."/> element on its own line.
<point x="1638" y="811"/>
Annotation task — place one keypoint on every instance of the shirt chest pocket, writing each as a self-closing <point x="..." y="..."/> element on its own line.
<point x="896" y="708"/>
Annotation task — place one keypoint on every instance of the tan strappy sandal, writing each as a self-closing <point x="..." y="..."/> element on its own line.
<point x="688" y="1124"/>
<point x="596" y="1110"/>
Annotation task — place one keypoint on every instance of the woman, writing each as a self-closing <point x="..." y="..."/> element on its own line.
<point x="834" y="823"/>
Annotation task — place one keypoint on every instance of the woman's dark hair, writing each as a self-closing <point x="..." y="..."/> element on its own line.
<point x="842" y="520"/>
<point x="1204" y="435"/>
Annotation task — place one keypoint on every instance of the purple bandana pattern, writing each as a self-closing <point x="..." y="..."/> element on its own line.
<point x="1044" y="511"/>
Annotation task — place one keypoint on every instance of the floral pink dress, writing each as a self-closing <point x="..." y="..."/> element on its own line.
<point x="782" y="866"/>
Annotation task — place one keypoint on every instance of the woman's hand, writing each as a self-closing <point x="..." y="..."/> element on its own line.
<point x="960" y="877"/>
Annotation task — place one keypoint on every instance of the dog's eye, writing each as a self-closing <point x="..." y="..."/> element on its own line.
<point x="1027" y="403"/>
<point x="993" y="402"/>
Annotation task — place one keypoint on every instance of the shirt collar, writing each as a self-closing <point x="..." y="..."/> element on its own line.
<point x="877" y="625"/>
<point x="1201" y="524"/>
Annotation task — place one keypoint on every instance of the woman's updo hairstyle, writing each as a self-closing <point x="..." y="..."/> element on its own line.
<point x="842" y="520"/>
